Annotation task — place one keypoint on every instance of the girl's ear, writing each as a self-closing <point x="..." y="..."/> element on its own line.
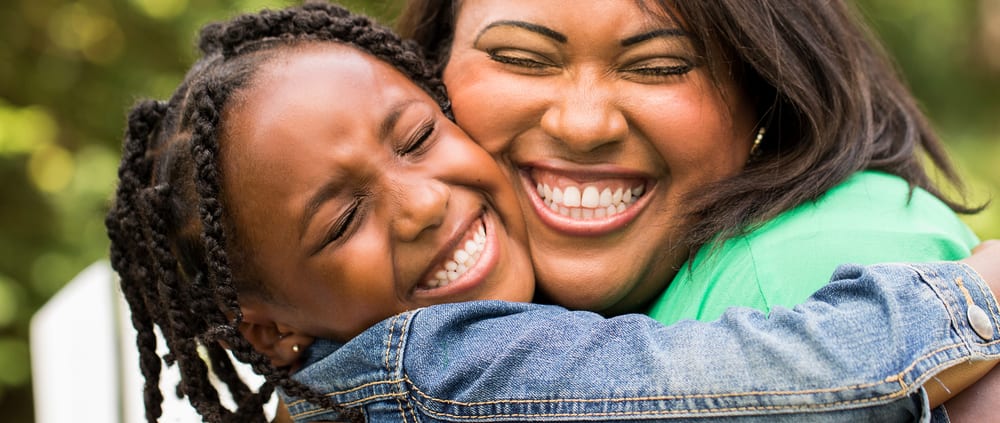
<point x="283" y="345"/>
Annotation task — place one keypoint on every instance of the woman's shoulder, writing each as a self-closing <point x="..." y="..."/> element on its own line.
<point x="868" y="204"/>
<point x="872" y="217"/>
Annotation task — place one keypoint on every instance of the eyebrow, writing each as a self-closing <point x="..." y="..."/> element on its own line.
<point x="538" y="29"/>
<point x="665" y="32"/>
<point x="334" y="187"/>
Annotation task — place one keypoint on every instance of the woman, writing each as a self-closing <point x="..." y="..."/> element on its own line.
<point x="765" y="145"/>
<point x="718" y="119"/>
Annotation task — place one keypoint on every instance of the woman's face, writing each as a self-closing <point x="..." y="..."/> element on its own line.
<point x="605" y="118"/>
<point x="357" y="199"/>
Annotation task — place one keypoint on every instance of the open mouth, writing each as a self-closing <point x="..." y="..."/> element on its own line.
<point x="588" y="205"/>
<point x="466" y="263"/>
<point x="589" y="201"/>
<point x="463" y="258"/>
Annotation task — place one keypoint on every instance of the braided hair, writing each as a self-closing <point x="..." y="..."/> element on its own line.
<point x="172" y="245"/>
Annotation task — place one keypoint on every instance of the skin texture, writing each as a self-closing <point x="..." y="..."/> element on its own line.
<point x="562" y="99"/>
<point x="388" y="181"/>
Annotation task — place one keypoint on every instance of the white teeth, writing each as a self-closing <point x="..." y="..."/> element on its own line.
<point x="465" y="257"/>
<point x="591" y="197"/>
<point x="571" y="197"/>
<point x="606" y="198"/>
<point x="588" y="202"/>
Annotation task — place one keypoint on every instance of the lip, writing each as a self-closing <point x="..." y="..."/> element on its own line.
<point x="475" y="276"/>
<point x="582" y="175"/>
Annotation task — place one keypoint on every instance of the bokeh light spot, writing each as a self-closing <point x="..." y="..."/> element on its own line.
<point x="50" y="168"/>
<point x="25" y="129"/>
<point x="161" y="9"/>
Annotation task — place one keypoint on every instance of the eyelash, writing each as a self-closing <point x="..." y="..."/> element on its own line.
<point x="417" y="143"/>
<point x="344" y="223"/>
<point x="662" y="71"/>
<point x="651" y="71"/>
<point x="516" y="61"/>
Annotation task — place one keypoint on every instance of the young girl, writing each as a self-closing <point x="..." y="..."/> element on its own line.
<point x="302" y="184"/>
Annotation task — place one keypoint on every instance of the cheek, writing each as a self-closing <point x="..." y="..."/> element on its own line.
<point x="696" y="138"/>
<point x="492" y="108"/>
<point x="351" y="292"/>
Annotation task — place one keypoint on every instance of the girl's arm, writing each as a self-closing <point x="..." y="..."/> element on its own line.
<point x="861" y="348"/>
<point x="980" y="402"/>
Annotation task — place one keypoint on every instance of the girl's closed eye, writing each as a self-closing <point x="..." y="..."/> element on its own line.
<point x="420" y="140"/>
<point x="345" y="223"/>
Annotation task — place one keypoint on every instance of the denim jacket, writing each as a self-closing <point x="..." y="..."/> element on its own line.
<point x="857" y="350"/>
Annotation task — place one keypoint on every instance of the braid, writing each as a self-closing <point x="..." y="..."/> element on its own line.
<point x="126" y="254"/>
<point x="171" y="242"/>
<point x="319" y="21"/>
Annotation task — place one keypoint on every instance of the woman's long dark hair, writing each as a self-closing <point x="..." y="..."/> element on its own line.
<point x="178" y="256"/>
<point x="831" y="99"/>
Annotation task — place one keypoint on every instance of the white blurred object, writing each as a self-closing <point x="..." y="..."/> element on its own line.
<point x="84" y="361"/>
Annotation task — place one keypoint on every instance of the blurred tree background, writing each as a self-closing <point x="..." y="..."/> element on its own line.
<point x="70" y="69"/>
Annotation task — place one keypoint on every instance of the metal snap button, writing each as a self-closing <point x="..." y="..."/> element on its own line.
<point x="980" y="322"/>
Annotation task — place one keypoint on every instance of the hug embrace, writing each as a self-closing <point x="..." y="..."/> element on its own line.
<point x="618" y="210"/>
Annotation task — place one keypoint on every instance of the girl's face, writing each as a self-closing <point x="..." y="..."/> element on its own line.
<point x="356" y="199"/>
<point x="605" y="118"/>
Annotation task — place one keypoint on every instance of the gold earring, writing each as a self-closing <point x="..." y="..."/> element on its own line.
<point x="295" y="348"/>
<point x="755" y="149"/>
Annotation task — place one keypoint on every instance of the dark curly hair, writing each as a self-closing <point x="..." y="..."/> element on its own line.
<point x="176" y="253"/>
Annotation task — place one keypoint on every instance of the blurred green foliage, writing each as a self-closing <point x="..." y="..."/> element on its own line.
<point x="69" y="70"/>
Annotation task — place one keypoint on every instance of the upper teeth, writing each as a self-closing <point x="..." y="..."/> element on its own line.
<point x="589" y="203"/>
<point x="464" y="258"/>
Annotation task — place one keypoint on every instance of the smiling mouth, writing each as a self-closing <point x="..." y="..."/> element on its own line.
<point x="586" y="203"/>
<point x="465" y="257"/>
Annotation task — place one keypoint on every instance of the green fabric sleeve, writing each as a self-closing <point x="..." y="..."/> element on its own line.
<point x="870" y="218"/>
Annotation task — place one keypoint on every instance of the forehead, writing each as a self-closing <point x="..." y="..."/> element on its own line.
<point x="627" y="13"/>
<point x="307" y="90"/>
<point x="306" y="110"/>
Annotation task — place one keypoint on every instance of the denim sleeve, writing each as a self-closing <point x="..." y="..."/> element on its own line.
<point x="857" y="350"/>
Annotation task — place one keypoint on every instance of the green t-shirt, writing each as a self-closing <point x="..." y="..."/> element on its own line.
<point x="869" y="218"/>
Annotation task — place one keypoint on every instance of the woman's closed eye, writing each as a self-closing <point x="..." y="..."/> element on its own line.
<point x="525" y="60"/>
<point x="655" y="70"/>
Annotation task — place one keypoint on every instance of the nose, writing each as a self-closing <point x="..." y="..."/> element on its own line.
<point x="421" y="204"/>
<point x="586" y="116"/>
